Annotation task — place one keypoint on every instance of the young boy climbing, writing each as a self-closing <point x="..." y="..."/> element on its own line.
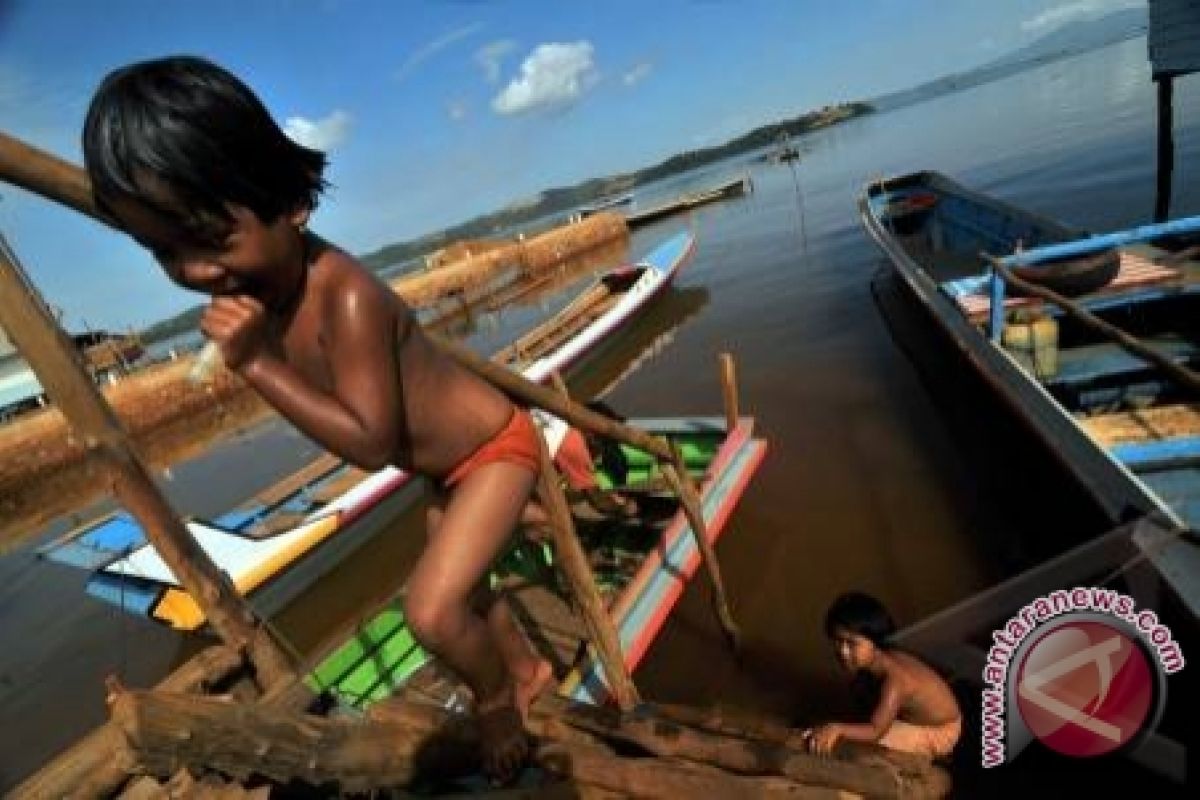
<point x="916" y="713"/>
<point x="186" y="159"/>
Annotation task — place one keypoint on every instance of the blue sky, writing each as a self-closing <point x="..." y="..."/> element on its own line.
<point x="435" y="112"/>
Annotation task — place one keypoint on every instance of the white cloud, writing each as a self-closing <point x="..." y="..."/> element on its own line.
<point x="490" y="55"/>
<point x="554" y="74"/>
<point x="1069" y="12"/>
<point x="430" y="49"/>
<point x="322" y="134"/>
<point x="638" y="73"/>
<point x="456" y="110"/>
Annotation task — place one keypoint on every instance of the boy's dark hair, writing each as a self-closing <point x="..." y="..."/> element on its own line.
<point x="185" y="137"/>
<point x="862" y="614"/>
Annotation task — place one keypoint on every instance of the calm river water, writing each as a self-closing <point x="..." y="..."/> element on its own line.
<point x="890" y="470"/>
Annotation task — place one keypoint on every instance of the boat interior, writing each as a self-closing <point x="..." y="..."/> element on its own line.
<point x="1146" y="419"/>
<point x="562" y="327"/>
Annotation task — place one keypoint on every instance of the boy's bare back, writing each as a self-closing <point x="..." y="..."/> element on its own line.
<point x="925" y="699"/>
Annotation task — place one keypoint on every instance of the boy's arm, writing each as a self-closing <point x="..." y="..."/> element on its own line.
<point x="881" y="719"/>
<point x="823" y="738"/>
<point x="360" y="419"/>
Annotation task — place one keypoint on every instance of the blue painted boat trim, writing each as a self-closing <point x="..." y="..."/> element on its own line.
<point x="106" y="540"/>
<point x="669" y="252"/>
<point x="592" y="687"/>
<point x="128" y="594"/>
<point x="1141" y="454"/>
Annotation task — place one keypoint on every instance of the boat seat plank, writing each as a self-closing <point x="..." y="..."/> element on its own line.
<point x="1136" y="271"/>
<point x="1082" y="365"/>
<point x="1142" y="425"/>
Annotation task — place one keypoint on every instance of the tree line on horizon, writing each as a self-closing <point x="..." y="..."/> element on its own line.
<point x="563" y="199"/>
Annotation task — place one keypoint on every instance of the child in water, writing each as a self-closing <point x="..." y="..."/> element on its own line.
<point x="917" y="712"/>
<point x="187" y="160"/>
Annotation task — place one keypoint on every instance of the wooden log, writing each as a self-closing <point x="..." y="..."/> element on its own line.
<point x="876" y="775"/>
<point x="669" y="780"/>
<point x="574" y="564"/>
<point x="144" y="788"/>
<point x="169" y="732"/>
<point x="1182" y="375"/>
<point x="677" y="477"/>
<point x="729" y="391"/>
<point x="173" y="731"/>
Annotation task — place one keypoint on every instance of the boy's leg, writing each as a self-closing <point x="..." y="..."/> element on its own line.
<point x="528" y="672"/>
<point x="476" y="523"/>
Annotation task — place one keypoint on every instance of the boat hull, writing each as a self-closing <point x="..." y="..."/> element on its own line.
<point x="1117" y="492"/>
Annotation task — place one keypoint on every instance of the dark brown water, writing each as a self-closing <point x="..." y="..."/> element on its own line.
<point x="890" y="468"/>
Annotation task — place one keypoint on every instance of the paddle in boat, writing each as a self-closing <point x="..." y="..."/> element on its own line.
<point x="1126" y="427"/>
<point x="283" y="540"/>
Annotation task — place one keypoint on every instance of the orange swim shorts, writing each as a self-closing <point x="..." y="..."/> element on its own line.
<point x="514" y="444"/>
<point x="574" y="460"/>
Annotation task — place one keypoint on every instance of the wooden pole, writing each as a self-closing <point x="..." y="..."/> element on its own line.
<point x="538" y="396"/>
<point x="1184" y="376"/>
<point x="559" y="385"/>
<point x="56" y="363"/>
<point x="47" y="175"/>
<point x="1166" y="148"/>
<point x="729" y="391"/>
<point x="571" y="558"/>
<point x="676" y="475"/>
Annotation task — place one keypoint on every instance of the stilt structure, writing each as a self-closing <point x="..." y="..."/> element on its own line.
<point x="1174" y="48"/>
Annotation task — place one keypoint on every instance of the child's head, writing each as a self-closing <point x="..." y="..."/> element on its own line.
<point x="859" y="626"/>
<point x="186" y="140"/>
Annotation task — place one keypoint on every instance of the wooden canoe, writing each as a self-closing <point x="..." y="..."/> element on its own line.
<point x="642" y="568"/>
<point x="1119" y="425"/>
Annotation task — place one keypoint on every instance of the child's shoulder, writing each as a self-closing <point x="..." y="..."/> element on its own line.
<point x="336" y="270"/>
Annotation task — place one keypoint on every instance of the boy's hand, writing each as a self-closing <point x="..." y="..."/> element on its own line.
<point x="823" y="738"/>
<point x="238" y="324"/>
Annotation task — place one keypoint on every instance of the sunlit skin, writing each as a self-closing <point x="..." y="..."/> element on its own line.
<point x="911" y="692"/>
<point x="339" y="355"/>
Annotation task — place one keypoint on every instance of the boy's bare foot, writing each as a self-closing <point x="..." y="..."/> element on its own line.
<point x="503" y="740"/>
<point x="526" y="691"/>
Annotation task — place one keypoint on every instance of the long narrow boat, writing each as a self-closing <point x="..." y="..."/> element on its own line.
<point x="642" y="568"/>
<point x="725" y="191"/>
<point x="613" y="299"/>
<point x="280" y="542"/>
<point x="1127" y="433"/>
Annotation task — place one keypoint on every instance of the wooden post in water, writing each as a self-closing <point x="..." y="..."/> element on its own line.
<point x="53" y="359"/>
<point x="1166" y="147"/>
<point x="729" y="391"/>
